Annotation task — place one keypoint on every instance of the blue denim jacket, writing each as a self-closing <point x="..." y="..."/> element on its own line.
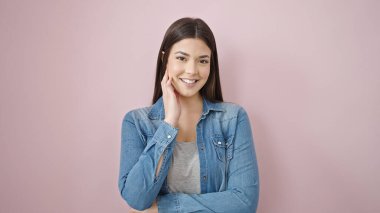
<point x="229" y="177"/>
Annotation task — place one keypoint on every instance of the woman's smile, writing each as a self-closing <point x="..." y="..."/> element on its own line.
<point x="189" y="83"/>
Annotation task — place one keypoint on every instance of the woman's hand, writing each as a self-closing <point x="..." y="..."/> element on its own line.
<point x="152" y="209"/>
<point x="171" y="101"/>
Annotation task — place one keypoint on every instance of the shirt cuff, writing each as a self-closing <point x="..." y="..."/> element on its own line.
<point x="165" y="134"/>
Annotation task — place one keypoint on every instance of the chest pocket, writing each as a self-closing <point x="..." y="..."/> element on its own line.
<point x="222" y="147"/>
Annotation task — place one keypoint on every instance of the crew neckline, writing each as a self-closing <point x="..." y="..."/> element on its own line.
<point x="185" y="141"/>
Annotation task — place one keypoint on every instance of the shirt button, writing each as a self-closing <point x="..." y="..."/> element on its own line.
<point x="169" y="136"/>
<point x="204" y="177"/>
<point x="219" y="142"/>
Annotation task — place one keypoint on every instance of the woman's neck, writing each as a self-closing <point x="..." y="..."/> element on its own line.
<point x="192" y="104"/>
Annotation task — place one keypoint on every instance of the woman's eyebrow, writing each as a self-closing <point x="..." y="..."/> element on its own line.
<point x="186" y="54"/>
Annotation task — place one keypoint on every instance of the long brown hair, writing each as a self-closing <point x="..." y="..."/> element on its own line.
<point x="189" y="28"/>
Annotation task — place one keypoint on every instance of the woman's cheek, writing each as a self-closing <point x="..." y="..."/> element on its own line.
<point x="172" y="68"/>
<point x="176" y="69"/>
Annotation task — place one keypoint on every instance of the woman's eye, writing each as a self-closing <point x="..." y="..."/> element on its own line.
<point x="204" y="61"/>
<point x="180" y="58"/>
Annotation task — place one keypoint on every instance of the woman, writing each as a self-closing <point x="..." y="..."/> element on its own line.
<point x="189" y="151"/>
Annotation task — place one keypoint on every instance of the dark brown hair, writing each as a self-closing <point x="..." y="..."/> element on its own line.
<point x="189" y="28"/>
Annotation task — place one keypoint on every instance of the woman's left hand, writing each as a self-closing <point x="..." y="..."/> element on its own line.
<point x="152" y="209"/>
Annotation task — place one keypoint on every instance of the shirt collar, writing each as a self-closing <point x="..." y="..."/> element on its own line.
<point x="157" y="110"/>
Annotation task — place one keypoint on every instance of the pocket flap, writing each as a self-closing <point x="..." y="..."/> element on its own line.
<point x="219" y="141"/>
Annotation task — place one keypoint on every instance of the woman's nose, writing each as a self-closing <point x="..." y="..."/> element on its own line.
<point x="192" y="68"/>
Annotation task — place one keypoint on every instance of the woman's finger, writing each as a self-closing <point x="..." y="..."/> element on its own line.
<point x="169" y="85"/>
<point x="163" y="82"/>
<point x="163" y="79"/>
<point x="168" y="82"/>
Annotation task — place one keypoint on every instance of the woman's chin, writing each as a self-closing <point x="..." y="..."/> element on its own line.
<point x="187" y="94"/>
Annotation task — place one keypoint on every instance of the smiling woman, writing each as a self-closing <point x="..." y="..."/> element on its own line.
<point x="188" y="68"/>
<point x="189" y="151"/>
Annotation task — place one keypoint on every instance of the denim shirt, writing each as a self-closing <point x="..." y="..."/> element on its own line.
<point x="229" y="177"/>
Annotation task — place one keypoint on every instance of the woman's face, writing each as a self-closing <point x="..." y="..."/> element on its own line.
<point x="189" y="66"/>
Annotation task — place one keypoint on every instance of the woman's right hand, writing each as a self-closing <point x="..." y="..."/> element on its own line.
<point x="171" y="100"/>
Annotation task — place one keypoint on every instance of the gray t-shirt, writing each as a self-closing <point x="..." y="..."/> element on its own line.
<point x="183" y="173"/>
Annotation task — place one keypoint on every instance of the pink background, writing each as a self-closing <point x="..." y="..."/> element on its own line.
<point x="307" y="72"/>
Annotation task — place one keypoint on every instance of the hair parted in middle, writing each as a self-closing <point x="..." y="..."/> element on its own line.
<point x="189" y="28"/>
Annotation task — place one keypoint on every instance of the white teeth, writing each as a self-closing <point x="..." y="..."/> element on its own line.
<point x="188" y="80"/>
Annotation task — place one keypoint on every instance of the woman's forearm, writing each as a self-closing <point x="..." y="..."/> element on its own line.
<point x="143" y="168"/>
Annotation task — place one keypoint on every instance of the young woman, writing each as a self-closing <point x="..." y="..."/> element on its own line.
<point x="189" y="151"/>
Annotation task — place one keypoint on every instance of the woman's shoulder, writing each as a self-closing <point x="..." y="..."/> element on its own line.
<point x="140" y="113"/>
<point x="232" y="109"/>
<point x="230" y="105"/>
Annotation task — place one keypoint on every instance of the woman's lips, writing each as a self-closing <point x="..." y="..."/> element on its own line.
<point x="189" y="82"/>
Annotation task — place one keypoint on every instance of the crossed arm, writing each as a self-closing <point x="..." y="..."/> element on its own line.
<point x="141" y="178"/>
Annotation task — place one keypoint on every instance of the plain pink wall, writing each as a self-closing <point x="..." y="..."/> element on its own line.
<point x="306" y="71"/>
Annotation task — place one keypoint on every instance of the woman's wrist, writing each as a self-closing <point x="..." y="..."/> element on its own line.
<point x="171" y="123"/>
